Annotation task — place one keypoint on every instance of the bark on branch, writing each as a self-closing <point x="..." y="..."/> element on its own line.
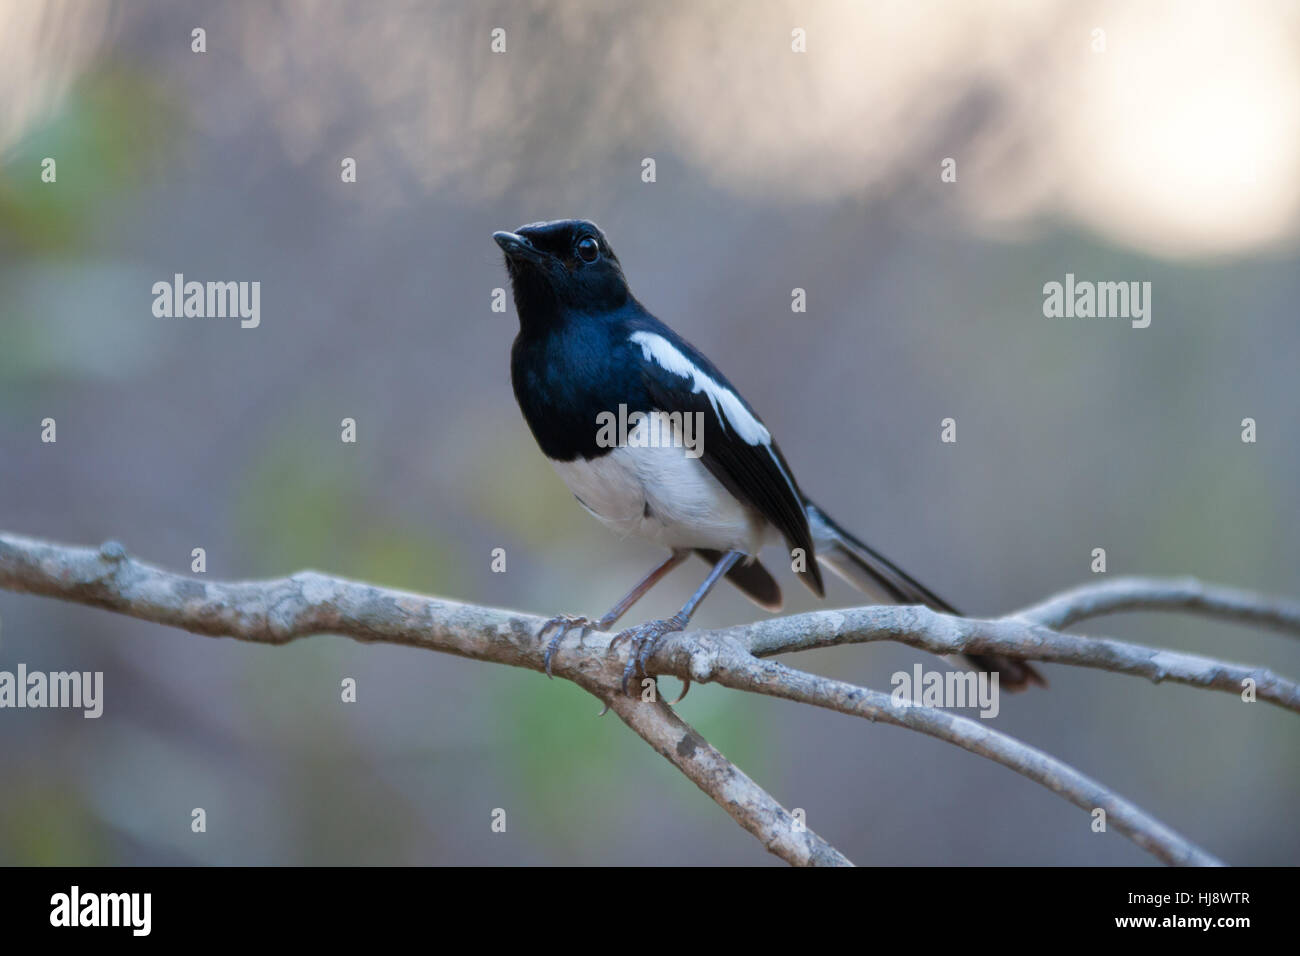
<point x="279" y="610"/>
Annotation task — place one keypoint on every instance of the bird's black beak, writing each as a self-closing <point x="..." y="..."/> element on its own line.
<point x="517" y="247"/>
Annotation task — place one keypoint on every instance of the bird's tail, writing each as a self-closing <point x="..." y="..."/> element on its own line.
<point x="869" y="571"/>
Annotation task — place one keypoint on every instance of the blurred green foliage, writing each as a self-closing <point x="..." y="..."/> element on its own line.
<point x="116" y="129"/>
<point x="48" y="825"/>
<point x="293" y="503"/>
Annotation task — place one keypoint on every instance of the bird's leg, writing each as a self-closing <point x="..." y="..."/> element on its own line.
<point x="645" y="637"/>
<point x="566" y="622"/>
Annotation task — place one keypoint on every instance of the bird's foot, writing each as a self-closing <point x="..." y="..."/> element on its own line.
<point x="563" y="623"/>
<point x="644" y="639"/>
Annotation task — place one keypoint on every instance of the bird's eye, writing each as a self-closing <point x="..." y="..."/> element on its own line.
<point x="588" y="249"/>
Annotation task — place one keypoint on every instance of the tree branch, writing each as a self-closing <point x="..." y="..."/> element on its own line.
<point x="1152" y="594"/>
<point x="1015" y="636"/>
<point x="771" y="677"/>
<point x="277" y="611"/>
<point x="280" y="610"/>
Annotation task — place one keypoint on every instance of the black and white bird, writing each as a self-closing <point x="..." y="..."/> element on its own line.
<point x="587" y="359"/>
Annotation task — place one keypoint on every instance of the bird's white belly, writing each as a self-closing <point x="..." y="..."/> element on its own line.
<point x="661" y="494"/>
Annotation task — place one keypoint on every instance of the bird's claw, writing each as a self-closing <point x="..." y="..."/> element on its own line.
<point x="564" y="623"/>
<point x="644" y="639"/>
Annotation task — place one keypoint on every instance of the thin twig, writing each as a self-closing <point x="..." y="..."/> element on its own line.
<point x="747" y="803"/>
<point x="1163" y="594"/>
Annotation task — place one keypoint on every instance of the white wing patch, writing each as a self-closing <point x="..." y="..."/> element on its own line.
<point x="726" y="405"/>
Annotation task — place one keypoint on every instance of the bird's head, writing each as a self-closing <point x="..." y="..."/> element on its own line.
<point x="565" y="265"/>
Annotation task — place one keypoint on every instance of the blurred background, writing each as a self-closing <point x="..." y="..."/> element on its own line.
<point x="1153" y="142"/>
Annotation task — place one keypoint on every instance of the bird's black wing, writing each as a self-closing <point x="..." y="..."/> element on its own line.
<point x="737" y="448"/>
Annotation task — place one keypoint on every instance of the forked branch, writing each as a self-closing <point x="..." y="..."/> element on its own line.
<point x="280" y="610"/>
